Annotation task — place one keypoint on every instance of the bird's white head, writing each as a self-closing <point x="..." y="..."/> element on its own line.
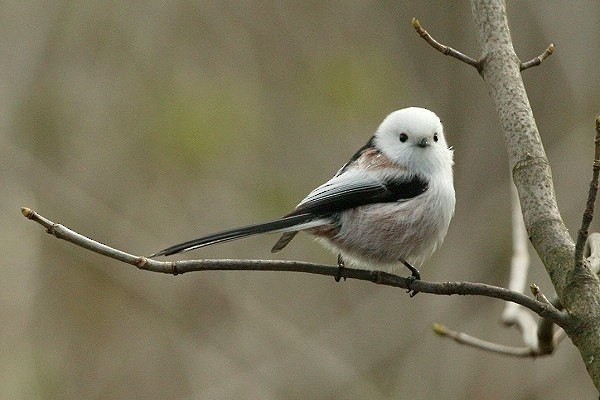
<point x="413" y="138"/>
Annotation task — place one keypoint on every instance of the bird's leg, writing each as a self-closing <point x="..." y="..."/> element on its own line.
<point x="341" y="266"/>
<point x="414" y="276"/>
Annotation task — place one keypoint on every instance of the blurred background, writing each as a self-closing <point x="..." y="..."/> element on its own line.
<point x="143" y="124"/>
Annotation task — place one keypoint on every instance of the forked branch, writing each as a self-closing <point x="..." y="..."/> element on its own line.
<point x="477" y="64"/>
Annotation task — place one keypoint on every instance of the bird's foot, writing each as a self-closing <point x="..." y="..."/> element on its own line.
<point x="415" y="275"/>
<point x="341" y="267"/>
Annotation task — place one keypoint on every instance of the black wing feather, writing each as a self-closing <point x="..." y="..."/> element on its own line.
<point x="344" y="198"/>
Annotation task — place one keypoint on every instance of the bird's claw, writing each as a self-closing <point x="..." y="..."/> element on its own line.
<point x="341" y="266"/>
<point x="412" y="292"/>
<point x="415" y="275"/>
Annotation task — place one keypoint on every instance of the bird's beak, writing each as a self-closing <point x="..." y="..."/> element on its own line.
<point x="423" y="143"/>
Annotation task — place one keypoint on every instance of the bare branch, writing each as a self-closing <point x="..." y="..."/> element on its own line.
<point x="539" y="59"/>
<point x="472" y="341"/>
<point x="448" y="51"/>
<point x="588" y="213"/>
<point x="379" y="277"/>
<point x="513" y="314"/>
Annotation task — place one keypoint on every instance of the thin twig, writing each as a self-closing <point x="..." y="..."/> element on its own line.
<point x="588" y="213"/>
<point x="179" y="267"/>
<point x="539" y="59"/>
<point x="545" y="332"/>
<point x="448" y="51"/>
<point x="537" y="293"/>
<point x="472" y="341"/>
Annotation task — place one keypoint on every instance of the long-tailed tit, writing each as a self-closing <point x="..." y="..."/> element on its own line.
<point x="389" y="205"/>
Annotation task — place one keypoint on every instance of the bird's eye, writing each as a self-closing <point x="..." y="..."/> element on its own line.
<point x="403" y="137"/>
<point x="435" y="137"/>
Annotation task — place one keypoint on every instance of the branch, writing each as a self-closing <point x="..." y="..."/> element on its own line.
<point x="539" y="59"/>
<point x="588" y="213"/>
<point x="513" y="314"/>
<point x="448" y="51"/>
<point x="472" y="341"/>
<point x="179" y="267"/>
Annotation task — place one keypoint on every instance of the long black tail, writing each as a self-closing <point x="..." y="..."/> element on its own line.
<point x="238" y="233"/>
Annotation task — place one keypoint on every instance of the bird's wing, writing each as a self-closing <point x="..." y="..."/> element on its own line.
<point x="353" y="188"/>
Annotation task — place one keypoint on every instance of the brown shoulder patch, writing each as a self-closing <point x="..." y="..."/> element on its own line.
<point x="372" y="158"/>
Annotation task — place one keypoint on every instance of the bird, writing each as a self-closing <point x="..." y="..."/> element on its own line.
<point x="389" y="206"/>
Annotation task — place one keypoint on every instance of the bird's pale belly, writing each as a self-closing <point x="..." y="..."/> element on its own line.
<point x="382" y="236"/>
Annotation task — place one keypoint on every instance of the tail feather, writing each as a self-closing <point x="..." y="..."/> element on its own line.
<point x="300" y="221"/>
<point x="283" y="241"/>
